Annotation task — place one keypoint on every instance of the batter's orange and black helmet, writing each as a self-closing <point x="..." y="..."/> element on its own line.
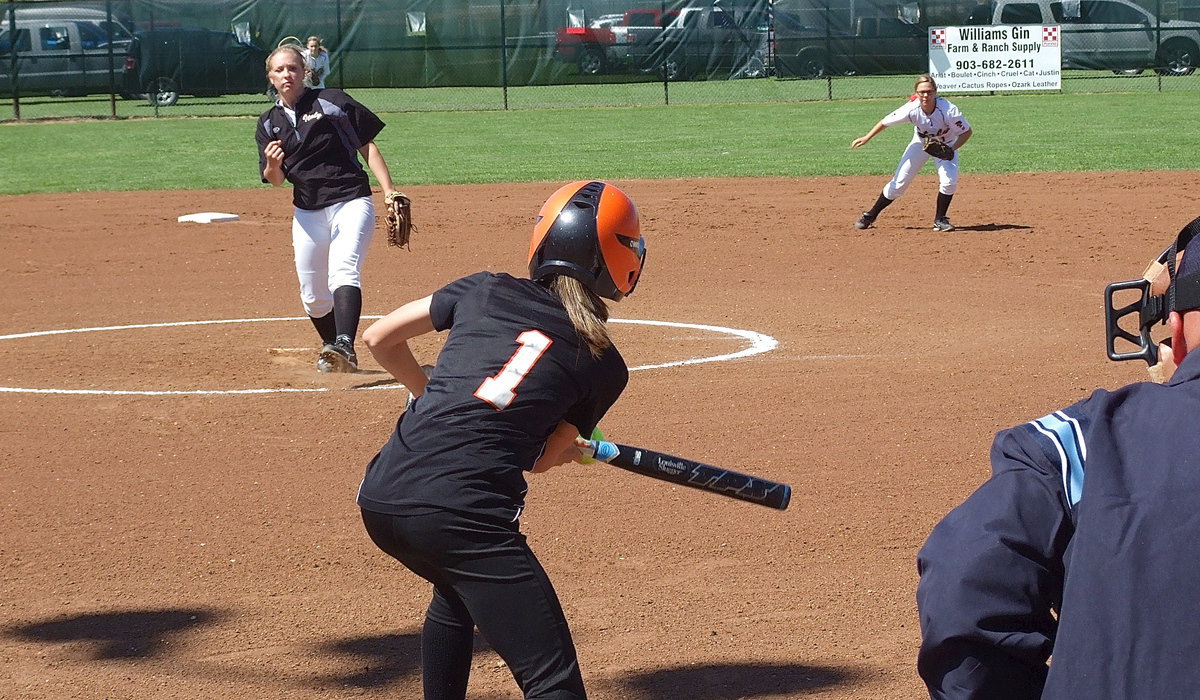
<point x="589" y="230"/>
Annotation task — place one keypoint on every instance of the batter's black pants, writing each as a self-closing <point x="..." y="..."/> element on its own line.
<point x="484" y="575"/>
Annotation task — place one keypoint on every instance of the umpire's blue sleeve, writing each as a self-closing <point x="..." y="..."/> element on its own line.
<point x="991" y="574"/>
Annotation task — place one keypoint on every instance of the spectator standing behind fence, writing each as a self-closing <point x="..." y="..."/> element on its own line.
<point x="316" y="63"/>
<point x="313" y="139"/>
<point x="931" y="116"/>
<point x="1083" y="546"/>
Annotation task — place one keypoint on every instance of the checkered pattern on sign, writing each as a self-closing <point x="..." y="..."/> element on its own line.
<point x="1050" y="35"/>
<point x="937" y="37"/>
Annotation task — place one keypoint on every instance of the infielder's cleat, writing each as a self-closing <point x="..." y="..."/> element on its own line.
<point x="340" y="355"/>
<point x="865" y="220"/>
<point x="943" y="224"/>
<point x="324" y="365"/>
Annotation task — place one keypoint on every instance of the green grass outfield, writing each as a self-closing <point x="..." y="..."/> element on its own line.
<point x="1013" y="133"/>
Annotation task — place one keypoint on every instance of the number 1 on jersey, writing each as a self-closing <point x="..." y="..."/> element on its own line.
<point x="501" y="389"/>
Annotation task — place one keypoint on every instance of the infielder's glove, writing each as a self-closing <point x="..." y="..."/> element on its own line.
<point x="399" y="219"/>
<point x="937" y="148"/>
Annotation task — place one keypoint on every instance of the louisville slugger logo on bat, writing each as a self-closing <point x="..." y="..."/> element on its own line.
<point x="687" y="472"/>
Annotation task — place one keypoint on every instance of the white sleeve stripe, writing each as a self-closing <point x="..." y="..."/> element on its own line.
<point x="1077" y="430"/>
<point x="1067" y="437"/>
<point x="1062" y="456"/>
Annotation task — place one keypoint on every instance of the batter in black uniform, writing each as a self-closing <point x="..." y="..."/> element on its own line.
<point x="1072" y="572"/>
<point x="313" y="138"/>
<point x="526" y="369"/>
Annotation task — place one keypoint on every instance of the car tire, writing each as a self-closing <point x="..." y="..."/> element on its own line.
<point x="754" y="68"/>
<point x="1177" y="57"/>
<point x="591" y="60"/>
<point x="162" y="92"/>
<point x="671" y="70"/>
<point x="811" y="63"/>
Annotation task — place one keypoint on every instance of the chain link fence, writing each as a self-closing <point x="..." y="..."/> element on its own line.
<point x="153" y="58"/>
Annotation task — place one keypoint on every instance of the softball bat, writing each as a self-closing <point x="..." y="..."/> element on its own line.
<point x="689" y="472"/>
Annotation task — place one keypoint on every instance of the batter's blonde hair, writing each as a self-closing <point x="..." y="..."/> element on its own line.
<point x="587" y="311"/>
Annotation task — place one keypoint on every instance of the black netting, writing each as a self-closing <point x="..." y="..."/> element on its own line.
<point x="173" y="57"/>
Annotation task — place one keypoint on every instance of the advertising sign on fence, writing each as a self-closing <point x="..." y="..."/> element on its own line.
<point x="1001" y="57"/>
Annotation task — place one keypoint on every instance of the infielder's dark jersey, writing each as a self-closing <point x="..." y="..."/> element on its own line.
<point x="1092" y="512"/>
<point x="511" y="369"/>
<point x="321" y="150"/>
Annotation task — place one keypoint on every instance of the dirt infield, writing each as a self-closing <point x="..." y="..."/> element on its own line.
<point x="178" y="500"/>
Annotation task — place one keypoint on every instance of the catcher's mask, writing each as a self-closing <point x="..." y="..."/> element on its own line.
<point x="1160" y="291"/>
<point x="589" y="231"/>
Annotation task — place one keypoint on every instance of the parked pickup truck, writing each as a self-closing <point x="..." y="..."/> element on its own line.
<point x="710" y="40"/>
<point x="61" y="50"/>
<point x="1115" y="35"/>
<point x="879" y="45"/>
<point x="603" y="45"/>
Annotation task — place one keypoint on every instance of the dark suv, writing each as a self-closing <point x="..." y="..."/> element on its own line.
<point x="169" y="62"/>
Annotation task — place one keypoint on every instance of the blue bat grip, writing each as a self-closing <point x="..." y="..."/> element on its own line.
<point x="604" y="450"/>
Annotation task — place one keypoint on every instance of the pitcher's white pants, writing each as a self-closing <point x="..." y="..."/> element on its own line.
<point x="910" y="164"/>
<point x="330" y="246"/>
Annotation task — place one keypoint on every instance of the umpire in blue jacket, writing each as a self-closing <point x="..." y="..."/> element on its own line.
<point x="1084" y="545"/>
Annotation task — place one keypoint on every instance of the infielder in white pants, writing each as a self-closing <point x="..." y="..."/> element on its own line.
<point x="313" y="138"/>
<point x="933" y="116"/>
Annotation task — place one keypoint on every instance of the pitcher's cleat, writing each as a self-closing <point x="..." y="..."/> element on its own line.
<point x="340" y="355"/>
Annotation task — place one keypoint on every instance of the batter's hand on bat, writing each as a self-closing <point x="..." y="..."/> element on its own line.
<point x="596" y="450"/>
<point x="561" y="447"/>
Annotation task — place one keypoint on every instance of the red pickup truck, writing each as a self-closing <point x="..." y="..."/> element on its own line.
<point x="603" y="45"/>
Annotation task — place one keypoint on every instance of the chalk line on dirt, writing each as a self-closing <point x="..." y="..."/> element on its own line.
<point x="758" y="343"/>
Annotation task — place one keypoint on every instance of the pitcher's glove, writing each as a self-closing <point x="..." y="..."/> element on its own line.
<point x="937" y="148"/>
<point x="399" y="219"/>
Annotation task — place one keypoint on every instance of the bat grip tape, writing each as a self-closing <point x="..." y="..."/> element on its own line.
<point x="603" y="450"/>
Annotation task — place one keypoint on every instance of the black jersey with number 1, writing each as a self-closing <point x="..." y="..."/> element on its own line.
<point x="512" y="367"/>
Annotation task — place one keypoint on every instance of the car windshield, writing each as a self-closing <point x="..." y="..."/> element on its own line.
<point x="92" y="36"/>
<point x="786" y="20"/>
<point x="605" y="21"/>
<point x="119" y="33"/>
<point x="688" y="17"/>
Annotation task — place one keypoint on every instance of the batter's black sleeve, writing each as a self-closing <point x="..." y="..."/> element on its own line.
<point x="442" y="305"/>
<point x="606" y="386"/>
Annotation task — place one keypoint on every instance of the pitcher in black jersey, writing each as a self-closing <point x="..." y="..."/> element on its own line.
<point x="527" y="367"/>
<point x="314" y="138"/>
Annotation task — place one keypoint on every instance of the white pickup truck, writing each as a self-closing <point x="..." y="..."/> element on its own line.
<point x="1115" y="35"/>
